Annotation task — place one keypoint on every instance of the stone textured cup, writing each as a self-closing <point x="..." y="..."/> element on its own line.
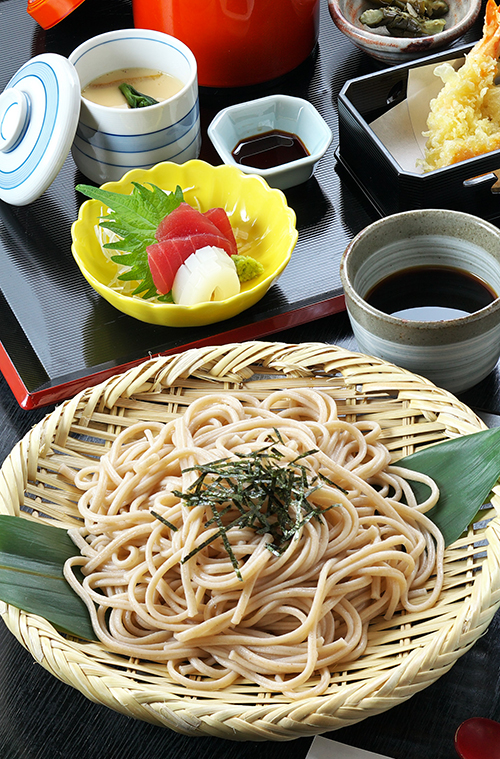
<point x="454" y="353"/>
<point x="111" y="141"/>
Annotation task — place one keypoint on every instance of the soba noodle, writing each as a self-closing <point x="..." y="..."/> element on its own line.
<point x="286" y="618"/>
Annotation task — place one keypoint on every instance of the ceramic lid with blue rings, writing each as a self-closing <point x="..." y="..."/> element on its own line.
<point x="39" y="111"/>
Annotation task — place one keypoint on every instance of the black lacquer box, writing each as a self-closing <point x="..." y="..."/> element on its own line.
<point x="466" y="186"/>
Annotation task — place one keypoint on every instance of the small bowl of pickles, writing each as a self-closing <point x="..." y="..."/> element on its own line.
<point x="396" y="31"/>
<point x="279" y="137"/>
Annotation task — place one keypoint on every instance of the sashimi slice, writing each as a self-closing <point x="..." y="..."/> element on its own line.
<point x="202" y="240"/>
<point x="164" y="258"/>
<point x="205" y="276"/>
<point x="163" y="268"/>
<point x="221" y="220"/>
<point x="183" y="221"/>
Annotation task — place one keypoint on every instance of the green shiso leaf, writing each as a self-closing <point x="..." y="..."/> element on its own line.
<point x="465" y="470"/>
<point x="135" y="219"/>
<point x="32" y="556"/>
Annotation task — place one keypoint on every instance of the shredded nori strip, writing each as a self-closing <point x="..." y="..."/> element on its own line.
<point x="163" y="520"/>
<point x="271" y="497"/>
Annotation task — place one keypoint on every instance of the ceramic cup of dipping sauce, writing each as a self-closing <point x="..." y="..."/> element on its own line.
<point x="112" y="139"/>
<point x="421" y="290"/>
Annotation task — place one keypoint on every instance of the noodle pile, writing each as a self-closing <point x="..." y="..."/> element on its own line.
<point x="286" y="618"/>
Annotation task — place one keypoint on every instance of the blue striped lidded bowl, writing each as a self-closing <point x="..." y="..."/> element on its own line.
<point x="110" y="141"/>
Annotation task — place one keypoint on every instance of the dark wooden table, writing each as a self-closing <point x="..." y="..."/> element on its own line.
<point x="41" y="718"/>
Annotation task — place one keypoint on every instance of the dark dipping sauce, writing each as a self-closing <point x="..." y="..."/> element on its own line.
<point x="269" y="149"/>
<point x="430" y="293"/>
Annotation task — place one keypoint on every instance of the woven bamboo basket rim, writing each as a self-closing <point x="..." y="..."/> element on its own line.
<point x="403" y="656"/>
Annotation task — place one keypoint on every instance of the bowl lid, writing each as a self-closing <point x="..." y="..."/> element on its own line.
<point x="39" y="111"/>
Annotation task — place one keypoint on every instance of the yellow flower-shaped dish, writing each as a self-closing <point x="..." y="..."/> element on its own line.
<point x="263" y="223"/>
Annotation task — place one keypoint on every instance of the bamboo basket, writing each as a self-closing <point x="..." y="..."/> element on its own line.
<point x="403" y="656"/>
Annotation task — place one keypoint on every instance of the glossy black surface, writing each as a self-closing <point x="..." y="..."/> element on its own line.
<point x="42" y="718"/>
<point x="69" y="332"/>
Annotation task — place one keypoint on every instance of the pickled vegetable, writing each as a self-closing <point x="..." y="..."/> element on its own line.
<point x="414" y="18"/>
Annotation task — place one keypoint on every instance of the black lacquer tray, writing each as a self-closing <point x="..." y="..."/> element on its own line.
<point x="56" y="334"/>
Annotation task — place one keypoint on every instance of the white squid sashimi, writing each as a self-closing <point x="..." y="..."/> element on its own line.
<point x="208" y="274"/>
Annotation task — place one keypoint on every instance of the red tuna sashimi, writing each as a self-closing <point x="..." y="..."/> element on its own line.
<point x="165" y="257"/>
<point x="163" y="267"/>
<point x="185" y="221"/>
<point x="197" y="241"/>
<point x="221" y="220"/>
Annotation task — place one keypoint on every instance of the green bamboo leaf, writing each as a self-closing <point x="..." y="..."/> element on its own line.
<point x="32" y="556"/>
<point x="465" y="470"/>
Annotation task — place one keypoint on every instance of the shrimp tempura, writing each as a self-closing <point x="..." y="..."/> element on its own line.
<point x="464" y="118"/>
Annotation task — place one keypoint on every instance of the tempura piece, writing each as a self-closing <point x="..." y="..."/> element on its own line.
<point x="464" y="120"/>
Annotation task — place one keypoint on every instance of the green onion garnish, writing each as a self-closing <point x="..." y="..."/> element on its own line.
<point x="134" y="98"/>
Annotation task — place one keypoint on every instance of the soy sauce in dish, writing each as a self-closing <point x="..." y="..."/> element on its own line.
<point x="430" y="293"/>
<point x="269" y="149"/>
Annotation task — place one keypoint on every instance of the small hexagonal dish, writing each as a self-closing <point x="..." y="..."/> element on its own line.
<point x="282" y="113"/>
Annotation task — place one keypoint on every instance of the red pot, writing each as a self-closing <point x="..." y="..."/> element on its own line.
<point x="236" y="42"/>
